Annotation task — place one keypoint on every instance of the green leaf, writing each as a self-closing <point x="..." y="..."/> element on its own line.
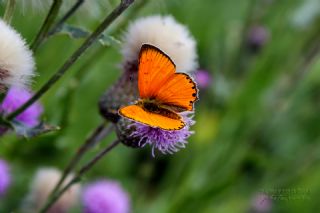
<point x="79" y="33"/>
<point x="28" y="132"/>
<point x="73" y="32"/>
<point x="106" y="40"/>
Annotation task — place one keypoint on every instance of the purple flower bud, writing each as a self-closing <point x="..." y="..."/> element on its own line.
<point x="124" y="91"/>
<point x="17" y="97"/>
<point x="5" y="178"/>
<point x="203" y="79"/>
<point x="105" y="196"/>
<point x="257" y="38"/>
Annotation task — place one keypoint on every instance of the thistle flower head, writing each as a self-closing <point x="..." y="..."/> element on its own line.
<point x="5" y="177"/>
<point x="17" y="97"/>
<point x="165" y="33"/>
<point x="16" y="60"/>
<point x="42" y="185"/>
<point x="105" y="196"/>
<point x="166" y="141"/>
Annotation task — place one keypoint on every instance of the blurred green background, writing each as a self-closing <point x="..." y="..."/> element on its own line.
<point x="257" y="127"/>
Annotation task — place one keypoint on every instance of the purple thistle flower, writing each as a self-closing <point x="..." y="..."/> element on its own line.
<point x="261" y="203"/>
<point x="166" y="141"/>
<point x="203" y="79"/>
<point x="105" y="196"/>
<point x="257" y="37"/>
<point x="5" y="177"/>
<point x="17" y="97"/>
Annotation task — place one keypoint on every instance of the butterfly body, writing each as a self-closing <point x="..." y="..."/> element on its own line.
<point x="163" y="92"/>
<point x="153" y="107"/>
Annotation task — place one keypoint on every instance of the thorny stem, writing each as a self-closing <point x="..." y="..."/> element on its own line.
<point x="9" y="11"/>
<point x="78" y="176"/>
<point x="72" y="10"/>
<point x="53" y="13"/>
<point x="74" y="57"/>
<point x="101" y="132"/>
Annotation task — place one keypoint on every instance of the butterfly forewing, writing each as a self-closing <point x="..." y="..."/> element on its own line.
<point x="155" y="68"/>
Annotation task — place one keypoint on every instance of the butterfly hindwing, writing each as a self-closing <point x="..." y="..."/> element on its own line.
<point x="179" y="91"/>
<point x="137" y="113"/>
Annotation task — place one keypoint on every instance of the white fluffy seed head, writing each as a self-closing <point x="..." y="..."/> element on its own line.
<point x="42" y="185"/>
<point x="165" y="33"/>
<point x="15" y="58"/>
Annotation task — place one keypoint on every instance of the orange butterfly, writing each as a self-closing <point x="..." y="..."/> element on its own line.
<point x="163" y="92"/>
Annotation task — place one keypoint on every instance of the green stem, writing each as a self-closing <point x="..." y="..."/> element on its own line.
<point x="75" y="56"/>
<point x="52" y="15"/>
<point x="78" y="176"/>
<point x="9" y="11"/>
